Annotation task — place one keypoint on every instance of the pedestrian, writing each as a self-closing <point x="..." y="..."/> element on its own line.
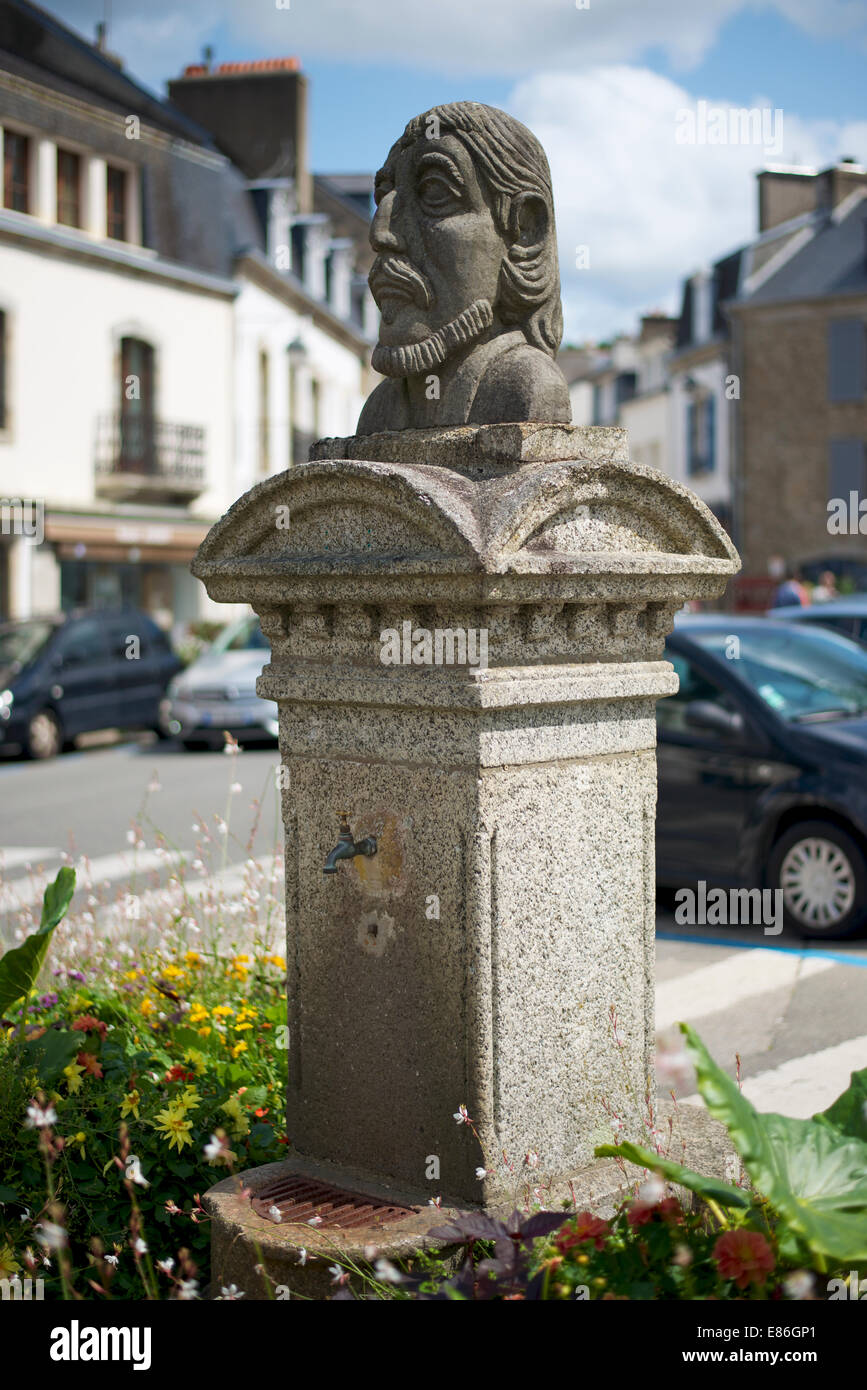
<point x="826" y="590"/>
<point x="792" y="593"/>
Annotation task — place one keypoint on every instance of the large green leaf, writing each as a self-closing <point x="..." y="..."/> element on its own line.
<point x="814" y="1176"/>
<point x="20" y="967"/>
<point x="712" y="1189"/>
<point x="848" y="1114"/>
<point x="51" y="1053"/>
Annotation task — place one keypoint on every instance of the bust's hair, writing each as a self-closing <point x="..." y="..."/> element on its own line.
<point x="510" y="161"/>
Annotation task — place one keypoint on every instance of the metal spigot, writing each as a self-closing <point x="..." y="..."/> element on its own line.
<point x="346" y="847"/>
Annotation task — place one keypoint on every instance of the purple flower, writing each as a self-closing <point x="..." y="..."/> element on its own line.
<point x="48" y="1000"/>
<point x="76" y="975"/>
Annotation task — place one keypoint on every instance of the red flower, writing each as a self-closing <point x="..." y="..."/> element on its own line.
<point x="90" y="1064"/>
<point x="744" y="1256"/>
<point x="261" y="1112"/>
<point x="669" y="1209"/>
<point x="179" y="1073"/>
<point x="586" y="1227"/>
<point x="88" y="1024"/>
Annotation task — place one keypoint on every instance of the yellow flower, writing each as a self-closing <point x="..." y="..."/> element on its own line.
<point x="204" y="1032"/>
<point x="174" y="972"/>
<point x="195" y="1059"/>
<point x="130" y="1105"/>
<point x="240" y="1027"/>
<point x="174" y="1126"/>
<point x="238" y="1122"/>
<point x="188" y="1100"/>
<point x="73" y="1074"/>
<point x="194" y="960"/>
<point x="198" y="1013"/>
<point x="223" y="1011"/>
<point x="80" y="1139"/>
<point x="133" y="974"/>
<point x="239" y="1047"/>
<point x="147" y="1007"/>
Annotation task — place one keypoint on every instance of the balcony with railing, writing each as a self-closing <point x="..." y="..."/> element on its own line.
<point x="140" y="458"/>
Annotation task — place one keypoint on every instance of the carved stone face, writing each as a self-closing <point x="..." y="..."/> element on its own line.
<point x="438" y="246"/>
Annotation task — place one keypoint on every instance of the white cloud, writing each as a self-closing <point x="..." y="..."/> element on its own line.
<point x="649" y="210"/>
<point x="505" y="37"/>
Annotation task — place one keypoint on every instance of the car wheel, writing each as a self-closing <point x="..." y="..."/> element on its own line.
<point x="44" y="738"/>
<point x="822" y="873"/>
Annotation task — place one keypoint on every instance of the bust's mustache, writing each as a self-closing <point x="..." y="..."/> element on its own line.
<point x="397" y="275"/>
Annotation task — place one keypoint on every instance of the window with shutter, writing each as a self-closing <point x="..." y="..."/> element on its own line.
<point x="847" y="359"/>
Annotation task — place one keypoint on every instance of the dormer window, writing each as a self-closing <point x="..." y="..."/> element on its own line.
<point x="115" y="203"/>
<point x="16" y="171"/>
<point x="68" y="188"/>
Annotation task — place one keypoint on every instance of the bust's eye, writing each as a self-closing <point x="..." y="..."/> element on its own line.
<point x="438" y="194"/>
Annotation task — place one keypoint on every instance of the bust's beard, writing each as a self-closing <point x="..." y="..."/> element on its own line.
<point x="409" y="359"/>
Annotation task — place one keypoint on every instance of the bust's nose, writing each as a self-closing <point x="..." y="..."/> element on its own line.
<point x="384" y="233"/>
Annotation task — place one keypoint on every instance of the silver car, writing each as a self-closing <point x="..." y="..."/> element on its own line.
<point x="218" y="691"/>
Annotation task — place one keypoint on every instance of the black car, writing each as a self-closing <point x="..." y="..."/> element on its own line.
<point x="60" y="677"/>
<point x="845" y="615"/>
<point x="762" y="759"/>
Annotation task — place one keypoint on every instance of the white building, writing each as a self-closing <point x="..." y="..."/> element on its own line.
<point x="158" y="351"/>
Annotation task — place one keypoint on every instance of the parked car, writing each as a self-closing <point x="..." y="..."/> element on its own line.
<point x="64" y="676"/>
<point x="218" y="691"/>
<point x="845" y="615"/>
<point x="762" y="760"/>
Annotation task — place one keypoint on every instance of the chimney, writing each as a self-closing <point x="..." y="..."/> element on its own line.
<point x="784" y="193"/>
<point x="834" y="185"/>
<point x="257" y="114"/>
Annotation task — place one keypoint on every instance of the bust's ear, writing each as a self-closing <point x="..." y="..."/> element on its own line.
<point x="528" y="219"/>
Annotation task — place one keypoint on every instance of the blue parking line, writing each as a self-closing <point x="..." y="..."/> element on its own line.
<point x="839" y="956"/>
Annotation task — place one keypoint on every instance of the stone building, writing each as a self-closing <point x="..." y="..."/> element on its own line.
<point x="171" y="328"/>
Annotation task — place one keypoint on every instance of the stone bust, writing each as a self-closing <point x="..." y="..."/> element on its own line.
<point x="466" y="276"/>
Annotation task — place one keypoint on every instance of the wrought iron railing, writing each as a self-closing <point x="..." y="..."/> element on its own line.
<point x="144" y="446"/>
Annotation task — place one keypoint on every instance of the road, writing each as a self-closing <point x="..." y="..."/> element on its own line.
<point x="795" y="1015"/>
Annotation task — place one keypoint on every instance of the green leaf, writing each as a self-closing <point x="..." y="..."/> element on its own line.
<point x="848" y="1113"/>
<point x="56" y="900"/>
<point x="712" y="1189"/>
<point x="813" y="1176"/>
<point x="20" y="967"/>
<point x="52" y="1052"/>
<point x="8" y="1194"/>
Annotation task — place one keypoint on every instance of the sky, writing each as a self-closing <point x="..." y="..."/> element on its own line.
<point x="645" y="190"/>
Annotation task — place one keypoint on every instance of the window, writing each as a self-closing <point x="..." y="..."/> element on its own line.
<point x="4" y="422"/>
<point x="848" y="468"/>
<point x="83" y="641"/>
<point x="68" y="188"/>
<point x="316" y="407"/>
<point x="115" y="203"/>
<point x="137" y="452"/>
<point x="671" y="712"/>
<point x="847" y="359"/>
<point x="16" y="172"/>
<point x="701" y="435"/>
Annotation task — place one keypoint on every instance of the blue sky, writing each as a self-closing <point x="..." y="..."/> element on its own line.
<point x="601" y="85"/>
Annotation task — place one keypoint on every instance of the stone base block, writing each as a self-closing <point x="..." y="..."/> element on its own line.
<point x="247" y="1246"/>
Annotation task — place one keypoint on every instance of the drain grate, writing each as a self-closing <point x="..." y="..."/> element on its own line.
<point x="298" y="1199"/>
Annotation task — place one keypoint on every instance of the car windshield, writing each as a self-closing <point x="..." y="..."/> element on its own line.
<point x="21" y="642"/>
<point x="242" y="635"/>
<point x="802" y="674"/>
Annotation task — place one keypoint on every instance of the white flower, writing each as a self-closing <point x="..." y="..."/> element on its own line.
<point x="651" y="1191"/>
<point x="131" y="837"/>
<point x="230" y="1292"/>
<point x="338" y="1275"/>
<point x="188" y="1288"/>
<point x="133" y="1171"/>
<point x="435" y="1202"/>
<point x="799" y="1284"/>
<point x="111" y="1260"/>
<point x="275" y="1214"/>
<point x="50" y="1235"/>
<point x="166" y="1265"/>
<point x="139" y="1246"/>
<point x="154" y="784"/>
<point x="213" y="1148"/>
<point x="302" y="1256"/>
<point x="387" y="1273"/>
<point x="461" y="1115"/>
<point x="481" y="1173"/>
<point x="236" y="787"/>
<point x="37" y="1118"/>
<point x="315" y="1221"/>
